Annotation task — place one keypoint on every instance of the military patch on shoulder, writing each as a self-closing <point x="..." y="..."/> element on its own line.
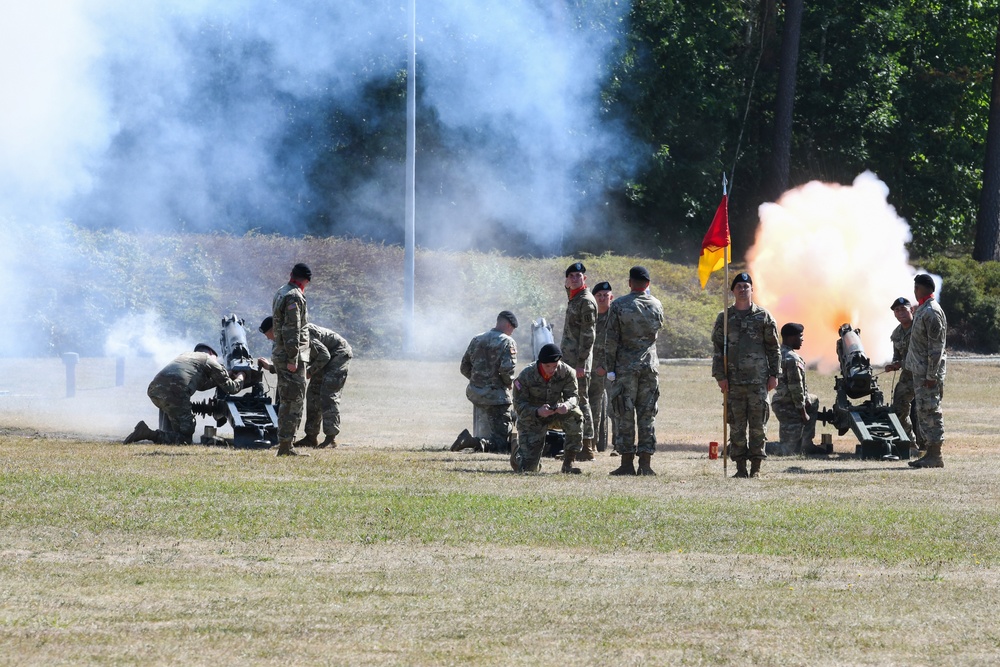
<point x="292" y="306"/>
<point x="801" y="365"/>
<point x="513" y="347"/>
<point x="517" y="385"/>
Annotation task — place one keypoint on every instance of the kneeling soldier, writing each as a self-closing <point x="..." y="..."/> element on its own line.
<point x="545" y="396"/>
<point x="793" y="405"/>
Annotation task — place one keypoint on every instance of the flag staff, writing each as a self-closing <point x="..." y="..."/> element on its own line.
<point x="725" y="339"/>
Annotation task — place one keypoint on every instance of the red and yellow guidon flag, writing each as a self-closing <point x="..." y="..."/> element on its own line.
<point x="717" y="246"/>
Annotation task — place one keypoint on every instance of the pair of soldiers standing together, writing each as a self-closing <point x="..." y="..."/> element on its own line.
<point x="603" y="342"/>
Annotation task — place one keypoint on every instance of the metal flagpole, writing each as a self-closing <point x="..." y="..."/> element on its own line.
<point x="725" y="344"/>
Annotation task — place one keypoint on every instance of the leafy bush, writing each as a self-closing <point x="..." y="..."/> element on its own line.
<point x="970" y="297"/>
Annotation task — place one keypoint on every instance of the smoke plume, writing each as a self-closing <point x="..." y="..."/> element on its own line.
<point x="829" y="254"/>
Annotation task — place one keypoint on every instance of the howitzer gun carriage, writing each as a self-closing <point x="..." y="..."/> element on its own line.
<point x="250" y="413"/>
<point x="879" y="432"/>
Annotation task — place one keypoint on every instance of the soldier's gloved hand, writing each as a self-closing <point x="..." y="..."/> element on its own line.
<point x="611" y="376"/>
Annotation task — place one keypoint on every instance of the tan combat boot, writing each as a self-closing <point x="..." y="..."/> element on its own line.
<point x="755" y="467"/>
<point x="627" y="466"/>
<point x="308" y="441"/>
<point x="644" y="469"/>
<point x="741" y="470"/>
<point x="930" y="459"/>
<point x="329" y="441"/>
<point x="587" y="452"/>
<point x="285" y="449"/>
<point x="567" y="466"/>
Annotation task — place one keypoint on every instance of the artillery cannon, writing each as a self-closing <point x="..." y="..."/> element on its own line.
<point x="250" y="413"/>
<point x="875" y="424"/>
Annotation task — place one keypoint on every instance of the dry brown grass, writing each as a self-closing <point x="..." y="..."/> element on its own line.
<point x="390" y="551"/>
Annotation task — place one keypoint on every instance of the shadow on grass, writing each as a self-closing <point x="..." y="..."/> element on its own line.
<point x="798" y="470"/>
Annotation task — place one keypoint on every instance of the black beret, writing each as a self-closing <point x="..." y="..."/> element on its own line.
<point x="924" y="279"/>
<point x="266" y="325"/>
<point x="576" y="267"/>
<point x="204" y="347"/>
<point x="791" y="329"/>
<point x="550" y="352"/>
<point x="638" y="273"/>
<point x="300" y="270"/>
<point x="509" y="316"/>
<point x="601" y="287"/>
<point x="740" y="278"/>
<point x="900" y="302"/>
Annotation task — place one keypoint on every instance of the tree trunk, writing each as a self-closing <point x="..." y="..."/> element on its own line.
<point x="987" y="246"/>
<point x="785" y="100"/>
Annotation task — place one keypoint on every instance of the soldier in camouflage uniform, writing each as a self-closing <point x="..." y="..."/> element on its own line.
<point x="579" y="333"/>
<point x="754" y="357"/>
<point x="545" y="396"/>
<point x="290" y="354"/>
<point x="903" y="393"/>
<point x="793" y="405"/>
<point x="489" y="363"/>
<point x="171" y="391"/>
<point x="927" y="361"/>
<point x="329" y="362"/>
<point x="598" y="397"/>
<point x="634" y="321"/>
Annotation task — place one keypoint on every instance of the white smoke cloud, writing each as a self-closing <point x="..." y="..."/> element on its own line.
<point x="829" y="254"/>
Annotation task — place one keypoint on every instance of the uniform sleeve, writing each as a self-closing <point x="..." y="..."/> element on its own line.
<point x="522" y="403"/>
<point x="588" y="331"/>
<point x="220" y="377"/>
<point x="508" y="362"/>
<point x="936" y="339"/>
<point x="795" y="380"/>
<point x="466" y="366"/>
<point x="294" y="333"/>
<point x="319" y="357"/>
<point x="569" y="391"/>
<point x="342" y="352"/>
<point x="718" y="351"/>
<point x="772" y="347"/>
<point x="612" y="339"/>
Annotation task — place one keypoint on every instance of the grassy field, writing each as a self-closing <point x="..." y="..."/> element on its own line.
<point x="392" y="551"/>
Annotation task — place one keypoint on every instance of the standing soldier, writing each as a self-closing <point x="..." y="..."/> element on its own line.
<point x="598" y="397"/>
<point x="171" y="391"/>
<point x="329" y="362"/>
<point x="634" y="321"/>
<point x="290" y="354"/>
<point x="903" y="392"/>
<point x="754" y="358"/>
<point x="545" y="395"/>
<point x="793" y="405"/>
<point x="489" y="363"/>
<point x="579" y="332"/>
<point x="926" y="360"/>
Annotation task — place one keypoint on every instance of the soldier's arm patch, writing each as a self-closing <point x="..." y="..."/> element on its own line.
<point x="801" y="365"/>
<point x="292" y="306"/>
<point x="517" y="385"/>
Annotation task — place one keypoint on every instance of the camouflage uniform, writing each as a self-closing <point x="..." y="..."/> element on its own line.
<point x="598" y="395"/>
<point x="532" y="391"/>
<point x="754" y="356"/>
<point x="330" y="360"/>
<point x="634" y="320"/>
<point x="172" y="388"/>
<point x="579" y="333"/>
<point x="926" y="360"/>
<point x="789" y="398"/>
<point x="489" y="364"/>
<point x="903" y="393"/>
<point x="290" y="346"/>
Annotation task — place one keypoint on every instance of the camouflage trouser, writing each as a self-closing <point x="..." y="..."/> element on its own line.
<point x="531" y="437"/>
<point x="323" y="400"/>
<point x="930" y="421"/>
<point x="291" y="395"/>
<point x="749" y="411"/>
<point x="177" y="422"/>
<point x="598" y="400"/>
<point x="583" y="389"/>
<point x="903" y="404"/>
<point x="493" y="425"/>
<point x="795" y="437"/>
<point x="640" y="392"/>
